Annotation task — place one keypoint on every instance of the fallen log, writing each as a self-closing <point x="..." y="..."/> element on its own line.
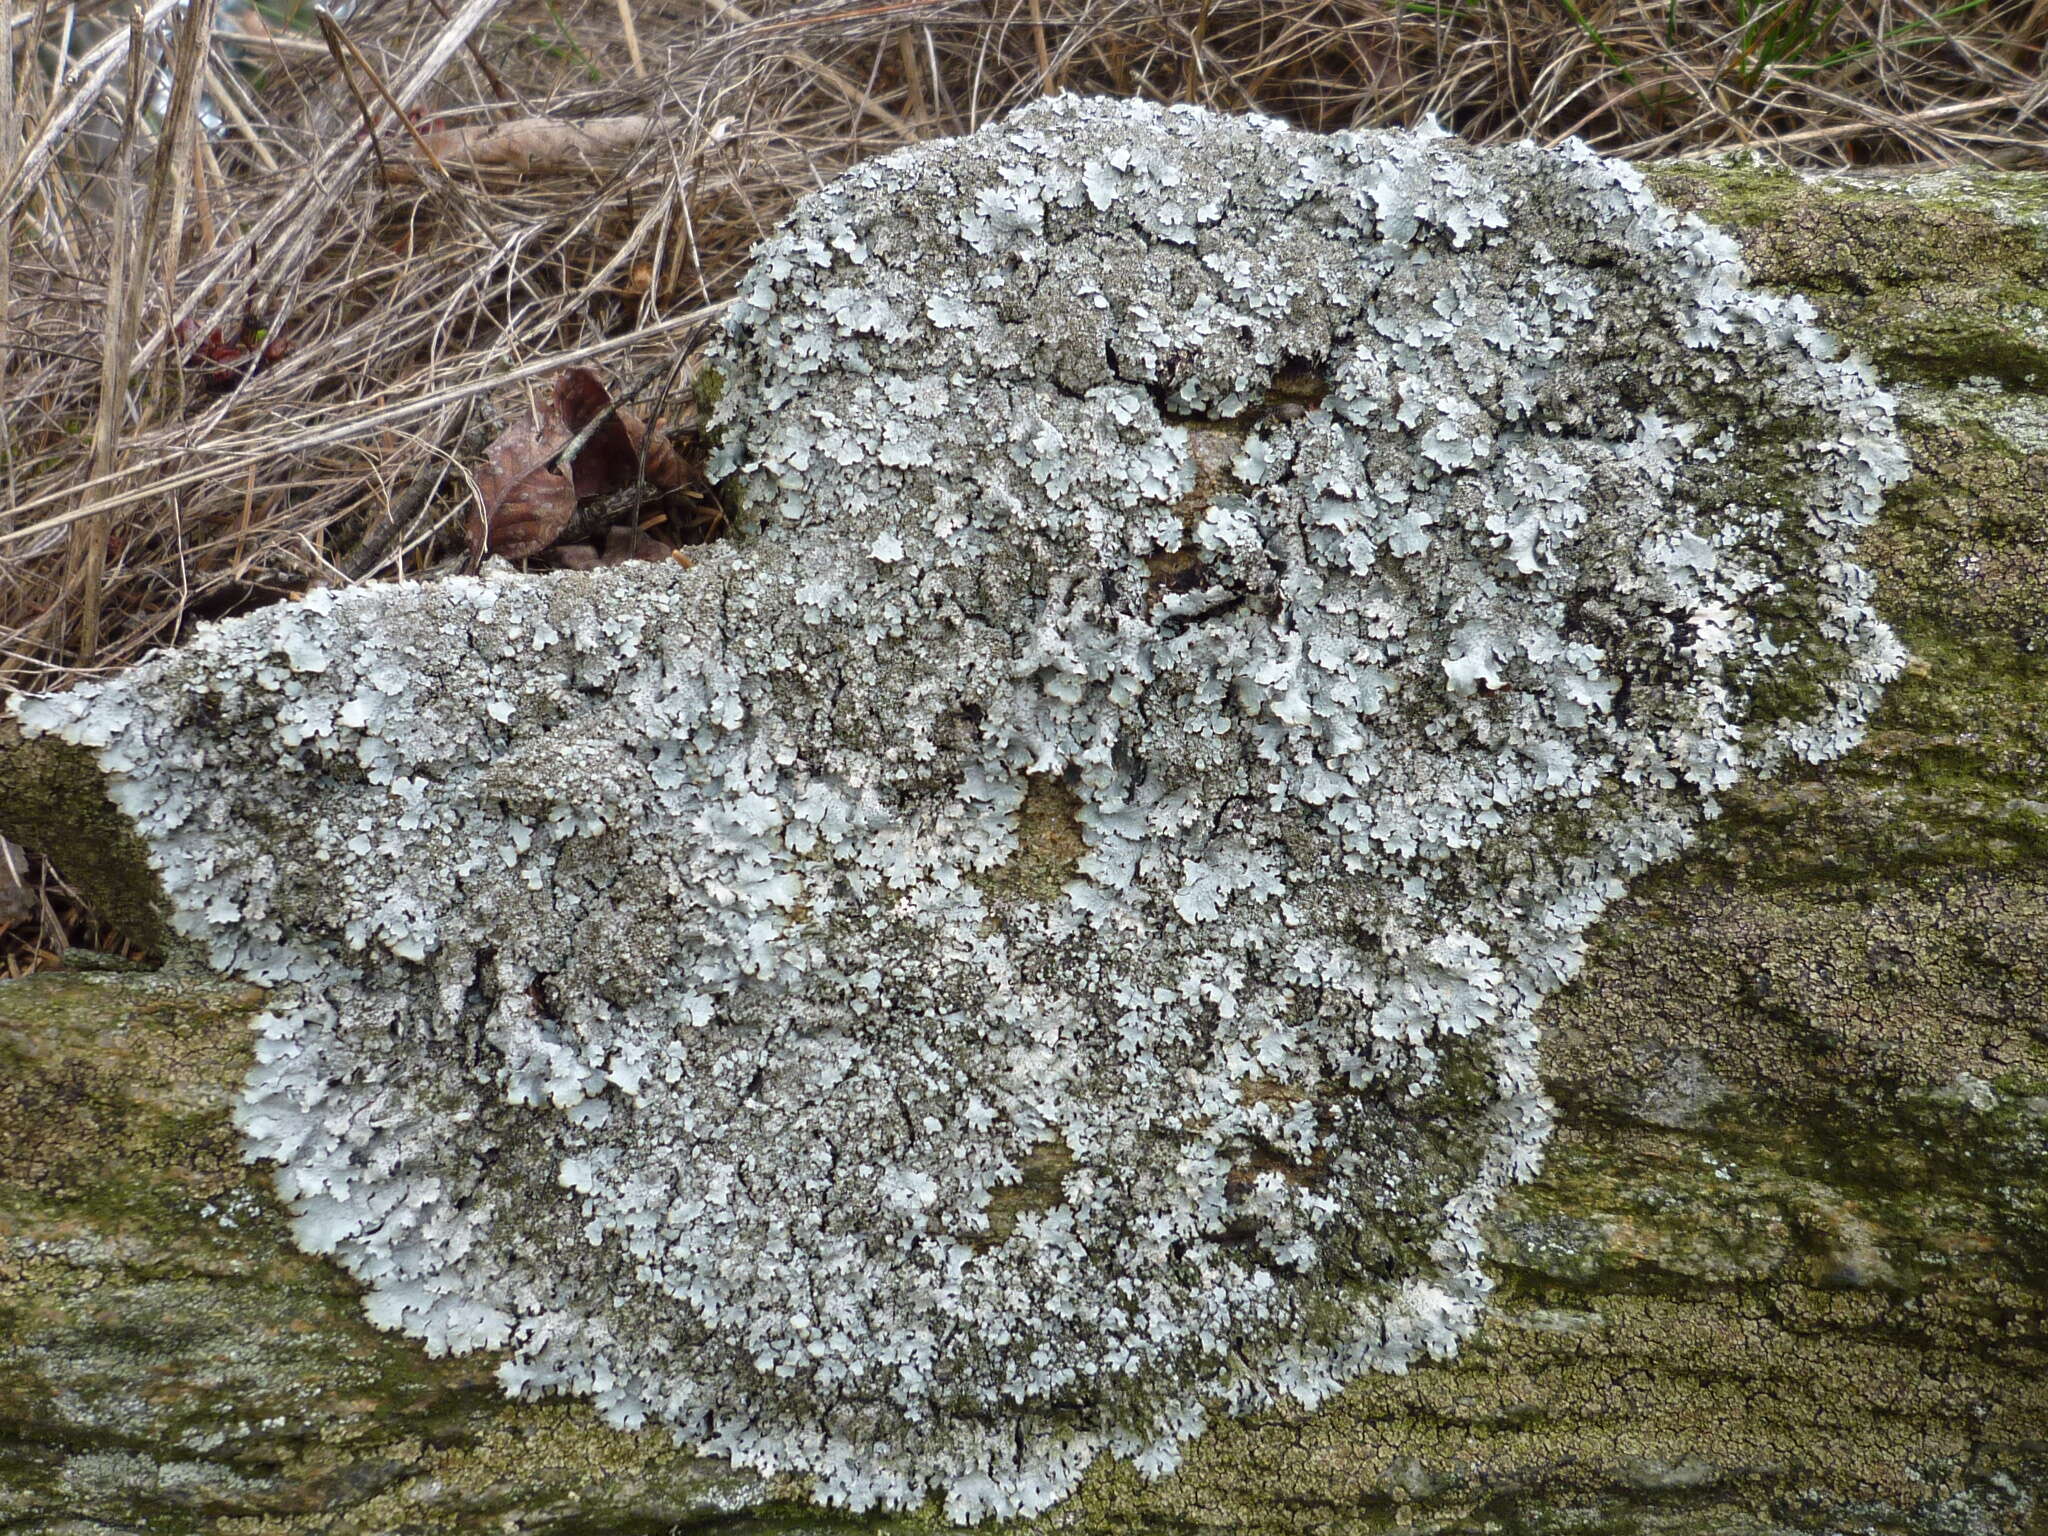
<point x="1786" y="1268"/>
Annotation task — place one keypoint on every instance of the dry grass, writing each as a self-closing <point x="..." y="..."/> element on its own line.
<point x="203" y="175"/>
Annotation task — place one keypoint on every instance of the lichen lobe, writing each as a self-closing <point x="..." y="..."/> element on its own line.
<point x="1042" y="939"/>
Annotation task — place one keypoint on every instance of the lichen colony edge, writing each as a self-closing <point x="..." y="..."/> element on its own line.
<point x="1041" y="937"/>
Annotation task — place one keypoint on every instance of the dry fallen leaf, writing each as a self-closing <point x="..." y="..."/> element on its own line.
<point x="626" y="543"/>
<point x="623" y="544"/>
<point x="526" y="502"/>
<point x="609" y="460"/>
<point x="664" y="466"/>
<point x="530" y="146"/>
<point x="531" y="499"/>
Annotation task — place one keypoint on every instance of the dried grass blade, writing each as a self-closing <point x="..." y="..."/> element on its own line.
<point x="840" y="84"/>
<point x="89" y="538"/>
<point x="339" y="40"/>
<point x="168" y="178"/>
<point x="8" y="139"/>
<point x="226" y="93"/>
<point x="229" y="453"/>
<point x="632" y="35"/>
<point x="1902" y="123"/>
<point x="496" y="81"/>
<point x="288" y="230"/>
<point x="100" y="64"/>
<point x="338" y="46"/>
<point x="451" y="40"/>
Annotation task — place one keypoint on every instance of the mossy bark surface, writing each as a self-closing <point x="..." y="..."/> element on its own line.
<point x="51" y="800"/>
<point x="1786" y="1269"/>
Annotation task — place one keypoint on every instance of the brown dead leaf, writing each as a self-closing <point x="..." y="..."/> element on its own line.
<point x="609" y="461"/>
<point x="526" y="503"/>
<point x="529" y="146"/>
<point x="623" y="544"/>
<point x="530" y="499"/>
<point x="664" y="466"/>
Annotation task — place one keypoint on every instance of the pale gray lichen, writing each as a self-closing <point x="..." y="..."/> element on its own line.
<point x="1364" y="552"/>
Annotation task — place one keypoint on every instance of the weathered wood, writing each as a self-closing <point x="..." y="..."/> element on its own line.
<point x="1787" y="1268"/>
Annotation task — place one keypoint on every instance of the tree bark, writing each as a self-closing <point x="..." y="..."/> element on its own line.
<point x="1786" y="1269"/>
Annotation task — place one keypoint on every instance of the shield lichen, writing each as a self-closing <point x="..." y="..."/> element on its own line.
<point x="1042" y="938"/>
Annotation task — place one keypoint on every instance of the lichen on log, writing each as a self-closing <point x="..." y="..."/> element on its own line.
<point x="1785" y="1265"/>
